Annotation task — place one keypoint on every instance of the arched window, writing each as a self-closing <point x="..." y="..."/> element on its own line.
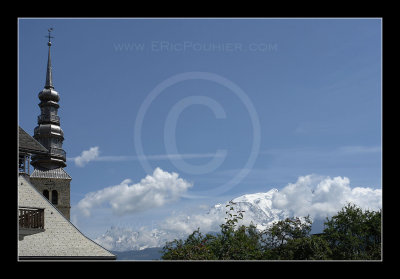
<point x="54" y="197"/>
<point x="46" y="193"/>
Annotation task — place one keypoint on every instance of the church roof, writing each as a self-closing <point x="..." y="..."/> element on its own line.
<point x="54" y="173"/>
<point x="28" y="144"/>
<point x="60" y="240"/>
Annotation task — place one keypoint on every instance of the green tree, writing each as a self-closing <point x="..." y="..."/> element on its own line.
<point x="290" y="239"/>
<point x="354" y="234"/>
<point x="241" y="243"/>
<point x="310" y="247"/>
<point x="195" y="247"/>
<point x="350" y="234"/>
<point x="234" y="242"/>
<point x="281" y="231"/>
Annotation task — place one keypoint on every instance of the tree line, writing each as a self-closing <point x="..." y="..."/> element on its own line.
<point x="351" y="234"/>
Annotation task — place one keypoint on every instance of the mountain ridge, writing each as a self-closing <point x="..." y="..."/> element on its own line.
<point x="257" y="209"/>
<point x="146" y="254"/>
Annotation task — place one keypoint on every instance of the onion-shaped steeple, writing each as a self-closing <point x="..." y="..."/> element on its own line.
<point x="48" y="132"/>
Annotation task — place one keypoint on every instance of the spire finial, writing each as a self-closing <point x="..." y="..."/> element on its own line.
<point x="48" y="36"/>
<point x="49" y="81"/>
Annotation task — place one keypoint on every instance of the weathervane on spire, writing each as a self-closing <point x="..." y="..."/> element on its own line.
<point x="49" y="81"/>
<point x="48" y="36"/>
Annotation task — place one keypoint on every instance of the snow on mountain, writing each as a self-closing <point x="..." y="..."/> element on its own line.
<point x="257" y="209"/>
<point x="313" y="195"/>
<point x="125" y="239"/>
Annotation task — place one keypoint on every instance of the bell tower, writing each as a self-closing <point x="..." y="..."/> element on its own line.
<point x="49" y="176"/>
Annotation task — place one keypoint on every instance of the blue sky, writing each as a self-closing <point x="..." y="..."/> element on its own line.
<point x="279" y="98"/>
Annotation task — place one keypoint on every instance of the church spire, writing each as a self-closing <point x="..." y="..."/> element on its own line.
<point x="48" y="132"/>
<point x="49" y="176"/>
<point x="49" y="80"/>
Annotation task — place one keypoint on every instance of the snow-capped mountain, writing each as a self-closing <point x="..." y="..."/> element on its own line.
<point x="257" y="209"/>
<point x="313" y="195"/>
<point x="125" y="239"/>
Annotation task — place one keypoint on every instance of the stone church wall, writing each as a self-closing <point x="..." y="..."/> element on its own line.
<point x="62" y="186"/>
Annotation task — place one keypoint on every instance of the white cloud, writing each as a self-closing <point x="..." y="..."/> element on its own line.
<point x="324" y="196"/>
<point x="314" y="195"/>
<point x="318" y="196"/>
<point x="87" y="156"/>
<point x="152" y="191"/>
<point x="93" y="154"/>
<point x="186" y="224"/>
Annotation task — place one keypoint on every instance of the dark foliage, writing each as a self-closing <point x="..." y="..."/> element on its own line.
<point x="352" y="234"/>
